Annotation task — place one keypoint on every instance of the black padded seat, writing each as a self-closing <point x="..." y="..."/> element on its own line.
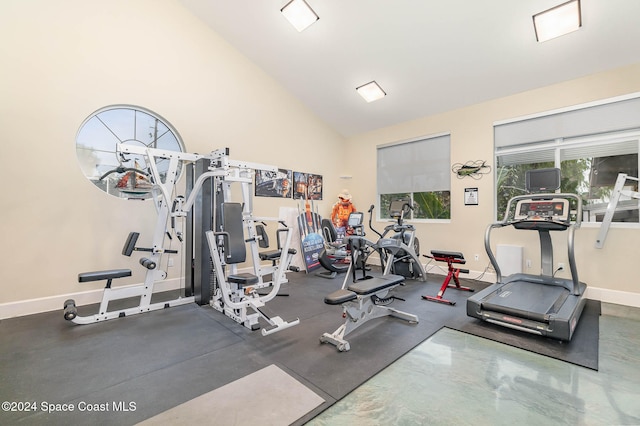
<point x="103" y="275"/>
<point x="447" y="254"/>
<point x="363" y="288"/>
<point x="274" y="254"/>
<point x="244" y="279"/>
<point x="339" y="297"/>
<point x="375" y="284"/>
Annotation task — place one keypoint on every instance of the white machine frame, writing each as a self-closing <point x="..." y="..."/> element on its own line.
<point x="359" y="311"/>
<point x="233" y="303"/>
<point x="618" y="191"/>
<point x="162" y="194"/>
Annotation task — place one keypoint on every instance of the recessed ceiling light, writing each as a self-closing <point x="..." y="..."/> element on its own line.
<point x="299" y="13"/>
<point x="557" y="21"/>
<point x="371" y="91"/>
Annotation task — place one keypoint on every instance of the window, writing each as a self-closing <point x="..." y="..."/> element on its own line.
<point x="417" y="170"/>
<point x="123" y="176"/>
<point x="591" y="144"/>
<point x="589" y="167"/>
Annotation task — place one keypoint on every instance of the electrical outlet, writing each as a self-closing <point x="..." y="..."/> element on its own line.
<point x="560" y="266"/>
<point x="528" y="263"/>
<point x="476" y="257"/>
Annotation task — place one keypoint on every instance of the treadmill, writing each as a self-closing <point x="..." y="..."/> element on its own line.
<point x="539" y="304"/>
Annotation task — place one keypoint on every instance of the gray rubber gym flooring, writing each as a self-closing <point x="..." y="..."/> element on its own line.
<point x="140" y="366"/>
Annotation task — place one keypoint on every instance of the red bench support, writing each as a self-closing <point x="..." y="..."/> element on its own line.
<point x="450" y="257"/>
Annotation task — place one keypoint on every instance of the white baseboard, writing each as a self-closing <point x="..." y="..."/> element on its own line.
<point x="617" y="297"/>
<point x="54" y="303"/>
<point x="488" y="277"/>
<point x="624" y="298"/>
<point x="605" y="295"/>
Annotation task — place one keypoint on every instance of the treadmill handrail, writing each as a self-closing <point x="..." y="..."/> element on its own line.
<point x="570" y="238"/>
<point x="572" y="262"/>
<point x="487" y="248"/>
<point x="562" y="224"/>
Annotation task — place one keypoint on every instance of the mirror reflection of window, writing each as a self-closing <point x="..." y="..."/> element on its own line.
<point x="124" y="176"/>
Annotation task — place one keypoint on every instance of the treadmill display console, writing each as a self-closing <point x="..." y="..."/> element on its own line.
<point x="552" y="209"/>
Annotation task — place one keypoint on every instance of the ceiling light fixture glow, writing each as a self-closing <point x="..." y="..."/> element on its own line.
<point x="557" y="21"/>
<point x="371" y="91"/>
<point x="299" y="13"/>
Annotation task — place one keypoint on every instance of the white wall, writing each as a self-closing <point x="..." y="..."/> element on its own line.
<point x="472" y="139"/>
<point x="61" y="61"/>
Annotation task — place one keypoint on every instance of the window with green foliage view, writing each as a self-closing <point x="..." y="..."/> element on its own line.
<point x="426" y="205"/>
<point x="418" y="171"/>
<point x="589" y="167"/>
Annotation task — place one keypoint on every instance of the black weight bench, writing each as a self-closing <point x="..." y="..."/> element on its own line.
<point x="363" y="288"/>
<point x="450" y="257"/>
<point x="143" y="292"/>
<point x="70" y="309"/>
<point x="108" y="275"/>
<point x="361" y="303"/>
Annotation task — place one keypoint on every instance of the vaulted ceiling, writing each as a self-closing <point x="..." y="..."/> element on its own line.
<point x="429" y="56"/>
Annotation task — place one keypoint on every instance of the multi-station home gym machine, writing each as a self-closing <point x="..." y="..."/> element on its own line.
<point x="214" y="274"/>
<point x="217" y="232"/>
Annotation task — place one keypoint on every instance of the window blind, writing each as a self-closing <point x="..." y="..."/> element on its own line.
<point x="613" y="116"/>
<point x="417" y="166"/>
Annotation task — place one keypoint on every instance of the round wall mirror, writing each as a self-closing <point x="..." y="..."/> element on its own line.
<point x="124" y="176"/>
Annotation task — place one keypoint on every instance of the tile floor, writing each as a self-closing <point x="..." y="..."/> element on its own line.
<point x="455" y="378"/>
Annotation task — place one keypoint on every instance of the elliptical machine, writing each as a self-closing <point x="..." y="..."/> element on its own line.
<point x="332" y="257"/>
<point x="398" y="246"/>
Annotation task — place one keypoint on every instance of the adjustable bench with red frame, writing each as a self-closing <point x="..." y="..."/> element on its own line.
<point x="451" y="257"/>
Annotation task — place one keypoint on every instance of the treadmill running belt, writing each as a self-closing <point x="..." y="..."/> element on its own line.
<point x="526" y="300"/>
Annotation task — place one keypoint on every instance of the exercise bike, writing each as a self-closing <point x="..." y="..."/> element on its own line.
<point x="398" y="246"/>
